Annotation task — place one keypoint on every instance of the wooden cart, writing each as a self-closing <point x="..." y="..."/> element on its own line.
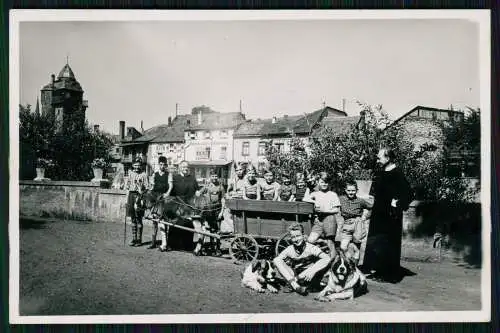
<point x="260" y="227"/>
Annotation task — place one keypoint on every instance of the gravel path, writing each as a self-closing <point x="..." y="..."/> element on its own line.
<point x="83" y="268"/>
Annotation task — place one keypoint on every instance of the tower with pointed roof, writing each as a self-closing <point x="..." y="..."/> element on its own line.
<point x="62" y="101"/>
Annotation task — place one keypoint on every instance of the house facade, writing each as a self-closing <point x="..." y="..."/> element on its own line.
<point x="252" y="138"/>
<point x="208" y="141"/>
<point x="169" y="143"/>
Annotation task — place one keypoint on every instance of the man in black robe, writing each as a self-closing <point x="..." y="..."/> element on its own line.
<point x="392" y="195"/>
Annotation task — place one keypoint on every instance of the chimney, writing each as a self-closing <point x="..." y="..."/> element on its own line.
<point x="53" y="79"/>
<point x="176" y="109"/>
<point x="122" y="130"/>
<point x="200" y="118"/>
<point x="142" y="127"/>
<point x="362" y="121"/>
<point x="96" y="128"/>
<point x="343" y="104"/>
<point x="169" y="121"/>
<point x="274" y="120"/>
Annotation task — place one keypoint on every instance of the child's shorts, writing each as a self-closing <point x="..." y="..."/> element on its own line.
<point x="326" y="225"/>
<point x="135" y="201"/>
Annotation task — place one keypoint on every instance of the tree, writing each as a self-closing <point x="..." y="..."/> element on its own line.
<point x="72" y="150"/>
<point x="464" y="143"/>
<point x="292" y="162"/>
<point x="351" y="154"/>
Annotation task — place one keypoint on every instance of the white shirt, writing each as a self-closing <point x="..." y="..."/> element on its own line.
<point x="325" y="202"/>
<point x="311" y="253"/>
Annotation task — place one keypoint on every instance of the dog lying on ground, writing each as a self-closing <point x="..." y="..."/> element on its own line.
<point x="345" y="280"/>
<point x="260" y="276"/>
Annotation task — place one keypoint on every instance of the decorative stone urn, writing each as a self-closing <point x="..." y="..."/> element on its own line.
<point x="40" y="174"/>
<point x="98" y="172"/>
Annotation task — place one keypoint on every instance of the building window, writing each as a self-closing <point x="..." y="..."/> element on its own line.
<point x="192" y="135"/>
<point x="223" y="134"/>
<point x="171" y="148"/>
<point x="59" y="119"/>
<point x="206" y="135"/>
<point x="245" y="150"/>
<point x="280" y="147"/>
<point x="203" y="154"/>
<point x="262" y="148"/>
<point x="223" y="153"/>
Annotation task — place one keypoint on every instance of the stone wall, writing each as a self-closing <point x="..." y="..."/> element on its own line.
<point x="71" y="200"/>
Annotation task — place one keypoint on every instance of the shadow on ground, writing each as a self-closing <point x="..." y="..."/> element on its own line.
<point x="459" y="224"/>
<point x="32" y="224"/>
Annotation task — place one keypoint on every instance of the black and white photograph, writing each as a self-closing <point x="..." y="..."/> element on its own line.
<point x="249" y="166"/>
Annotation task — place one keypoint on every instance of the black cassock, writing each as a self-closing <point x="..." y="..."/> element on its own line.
<point x="383" y="247"/>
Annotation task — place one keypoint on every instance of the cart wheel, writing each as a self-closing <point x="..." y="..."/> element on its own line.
<point x="282" y="243"/>
<point x="244" y="248"/>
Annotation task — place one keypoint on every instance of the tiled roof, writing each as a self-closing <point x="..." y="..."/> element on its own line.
<point x="216" y="120"/>
<point x="265" y="127"/>
<point x="306" y="122"/>
<point x="174" y="133"/>
<point x="152" y="133"/>
<point x="301" y="124"/>
<point x="66" y="72"/>
<point x="341" y="125"/>
<point x="65" y="80"/>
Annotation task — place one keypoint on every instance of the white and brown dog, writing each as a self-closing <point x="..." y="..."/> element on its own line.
<point x="345" y="280"/>
<point x="260" y="276"/>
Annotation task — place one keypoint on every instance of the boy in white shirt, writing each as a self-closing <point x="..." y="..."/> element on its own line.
<point x="301" y="264"/>
<point x="327" y="207"/>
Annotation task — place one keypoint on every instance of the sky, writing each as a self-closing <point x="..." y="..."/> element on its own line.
<point x="135" y="71"/>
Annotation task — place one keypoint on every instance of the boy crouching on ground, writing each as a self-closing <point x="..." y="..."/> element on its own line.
<point x="301" y="264"/>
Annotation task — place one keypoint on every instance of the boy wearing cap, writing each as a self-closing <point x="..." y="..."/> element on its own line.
<point x="136" y="184"/>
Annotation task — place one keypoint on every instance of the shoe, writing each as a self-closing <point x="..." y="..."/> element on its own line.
<point x="163" y="249"/>
<point x="152" y="246"/>
<point x="302" y="291"/>
<point x="133" y="243"/>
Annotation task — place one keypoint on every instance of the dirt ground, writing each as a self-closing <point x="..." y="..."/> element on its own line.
<point x="83" y="268"/>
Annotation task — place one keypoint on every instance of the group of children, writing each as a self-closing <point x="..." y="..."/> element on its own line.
<point x="341" y="217"/>
<point x="344" y="217"/>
